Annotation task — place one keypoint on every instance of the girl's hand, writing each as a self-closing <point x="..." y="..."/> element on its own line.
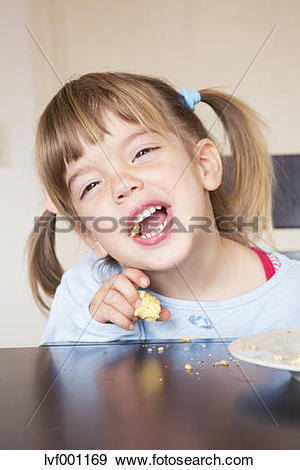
<point x="115" y="301"/>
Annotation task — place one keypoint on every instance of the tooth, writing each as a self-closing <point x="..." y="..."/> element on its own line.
<point x="140" y="217"/>
<point x="146" y="213"/>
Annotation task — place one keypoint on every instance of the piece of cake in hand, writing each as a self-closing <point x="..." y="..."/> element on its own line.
<point x="150" y="308"/>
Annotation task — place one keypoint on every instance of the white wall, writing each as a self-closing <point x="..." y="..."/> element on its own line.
<point x="20" y="321"/>
<point x="192" y="43"/>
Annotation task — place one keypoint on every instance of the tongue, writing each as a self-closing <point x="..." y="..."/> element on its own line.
<point x="152" y="222"/>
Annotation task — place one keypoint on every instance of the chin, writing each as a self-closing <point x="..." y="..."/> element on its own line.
<point x="162" y="259"/>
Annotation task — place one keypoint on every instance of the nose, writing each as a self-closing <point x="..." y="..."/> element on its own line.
<point x="126" y="185"/>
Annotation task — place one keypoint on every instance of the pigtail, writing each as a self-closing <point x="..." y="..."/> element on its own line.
<point x="44" y="269"/>
<point x="249" y="167"/>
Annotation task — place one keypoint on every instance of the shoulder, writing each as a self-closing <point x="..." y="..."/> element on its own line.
<point x="284" y="259"/>
<point x="289" y="268"/>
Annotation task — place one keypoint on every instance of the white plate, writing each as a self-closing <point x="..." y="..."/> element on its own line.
<point x="279" y="349"/>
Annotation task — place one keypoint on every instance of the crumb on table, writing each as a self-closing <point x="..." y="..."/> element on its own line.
<point x="187" y="339"/>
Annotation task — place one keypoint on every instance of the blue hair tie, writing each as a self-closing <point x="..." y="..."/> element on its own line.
<point x="191" y="97"/>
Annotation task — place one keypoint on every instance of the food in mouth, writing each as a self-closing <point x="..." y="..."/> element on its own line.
<point x="150" y="308"/>
<point x="150" y="222"/>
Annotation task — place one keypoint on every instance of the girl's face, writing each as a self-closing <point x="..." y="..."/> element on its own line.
<point x="129" y="168"/>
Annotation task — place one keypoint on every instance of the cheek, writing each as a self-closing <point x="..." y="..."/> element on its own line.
<point x="179" y="179"/>
<point x="166" y="175"/>
<point x="189" y="198"/>
<point x="99" y="219"/>
<point x="180" y="176"/>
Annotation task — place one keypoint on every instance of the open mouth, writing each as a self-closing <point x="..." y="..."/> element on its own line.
<point x="150" y="222"/>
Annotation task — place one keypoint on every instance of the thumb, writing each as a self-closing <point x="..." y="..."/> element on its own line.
<point x="164" y="315"/>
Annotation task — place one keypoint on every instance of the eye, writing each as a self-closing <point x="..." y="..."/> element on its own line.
<point x="147" y="150"/>
<point x="88" y="188"/>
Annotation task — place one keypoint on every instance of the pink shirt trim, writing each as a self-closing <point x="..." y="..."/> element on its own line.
<point x="269" y="267"/>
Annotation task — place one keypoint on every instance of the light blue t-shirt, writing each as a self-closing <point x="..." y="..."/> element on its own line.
<point x="274" y="305"/>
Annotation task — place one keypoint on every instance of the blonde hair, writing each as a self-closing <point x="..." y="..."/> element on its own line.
<point x="78" y="111"/>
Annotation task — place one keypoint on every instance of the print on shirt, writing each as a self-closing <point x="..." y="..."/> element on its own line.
<point x="199" y="320"/>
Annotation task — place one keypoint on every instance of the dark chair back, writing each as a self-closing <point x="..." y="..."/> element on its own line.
<point x="286" y="194"/>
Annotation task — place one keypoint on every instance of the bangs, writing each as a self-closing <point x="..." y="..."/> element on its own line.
<point x="78" y="112"/>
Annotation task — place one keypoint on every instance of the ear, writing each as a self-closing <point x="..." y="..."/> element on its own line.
<point x="50" y="206"/>
<point x="209" y="163"/>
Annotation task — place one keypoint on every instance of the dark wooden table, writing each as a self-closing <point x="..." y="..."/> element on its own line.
<point x="120" y="396"/>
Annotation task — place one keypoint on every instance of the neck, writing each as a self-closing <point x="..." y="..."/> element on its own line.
<point x="200" y="274"/>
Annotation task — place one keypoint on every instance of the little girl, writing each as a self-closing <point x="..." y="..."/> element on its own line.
<point x="131" y="166"/>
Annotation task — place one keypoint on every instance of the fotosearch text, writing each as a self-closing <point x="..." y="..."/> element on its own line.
<point x="106" y="224"/>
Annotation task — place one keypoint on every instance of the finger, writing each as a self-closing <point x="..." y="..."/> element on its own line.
<point x="137" y="276"/>
<point x="117" y="300"/>
<point x="164" y="315"/>
<point x="127" y="289"/>
<point x="119" y="282"/>
<point x="114" y="316"/>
